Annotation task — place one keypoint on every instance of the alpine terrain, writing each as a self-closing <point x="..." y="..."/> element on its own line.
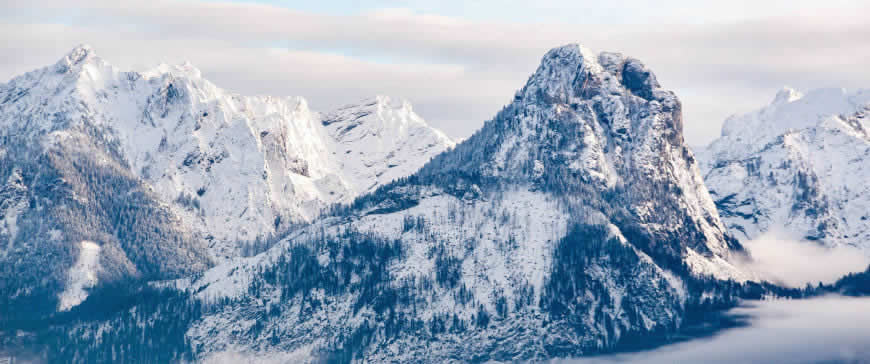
<point x="798" y="165"/>
<point x="108" y="175"/>
<point x="574" y="222"/>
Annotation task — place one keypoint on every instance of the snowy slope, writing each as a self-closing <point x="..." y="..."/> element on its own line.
<point x="82" y="276"/>
<point x="381" y="140"/>
<point x="798" y="164"/>
<point x="235" y="167"/>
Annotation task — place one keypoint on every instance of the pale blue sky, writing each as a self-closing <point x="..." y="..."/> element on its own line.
<point x="573" y="11"/>
<point x="458" y="62"/>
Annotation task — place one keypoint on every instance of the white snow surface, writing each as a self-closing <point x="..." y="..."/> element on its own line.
<point x="81" y="276"/>
<point x="377" y="140"/>
<point x="799" y="164"/>
<point x="243" y="355"/>
<point x="233" y="167"/>
<point x="790" y="110"/>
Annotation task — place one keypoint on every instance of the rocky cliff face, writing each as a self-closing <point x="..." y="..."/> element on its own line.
<point x="796" y="165"/>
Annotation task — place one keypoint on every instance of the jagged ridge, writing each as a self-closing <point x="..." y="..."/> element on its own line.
<point x="222" y="169"/>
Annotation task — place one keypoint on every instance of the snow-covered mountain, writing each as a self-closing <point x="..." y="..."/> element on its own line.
<point x="238" y="167"/>
<point x="797" y="165"/>
<point x="222" y="168"/>
<point x="380" y="140"/>
<point x="574" y="221"/>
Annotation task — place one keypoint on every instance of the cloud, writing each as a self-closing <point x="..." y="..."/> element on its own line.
<point x="457" y="71"/>
<point x="822" y="330"/>
<point x="782" y="259"/>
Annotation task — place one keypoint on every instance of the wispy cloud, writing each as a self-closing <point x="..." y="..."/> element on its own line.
<point x="458" y="70"/>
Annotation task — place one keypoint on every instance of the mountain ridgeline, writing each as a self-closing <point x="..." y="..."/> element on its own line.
<point x="574" y="222"/>
<point x="108" y="176"/>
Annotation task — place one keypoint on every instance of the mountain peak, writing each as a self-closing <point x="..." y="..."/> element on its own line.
<point x="387" y="135"/>
<point x="599" y="124"/>
<point x="379" y="107"/>
<point x="790" y="110"/>
<point x="185" y="69"/>
<point x="578" y="95"/>
<point x="384" y="102"/>
<point x="570" y="53"/>
<point x="80" y="52"/>
<point x="561" y="73"/>
<point x="77" y="56"/>
<point x="189" y="69"/>
<point x="786" y="95"/>
<point x="575" y="72"/>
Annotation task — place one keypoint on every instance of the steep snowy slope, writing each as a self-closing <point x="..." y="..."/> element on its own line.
<point x="798" y="164"/>
<point x="222" y="168"/>
<point x="573" y="222"/>
<point x="381" y="140"/>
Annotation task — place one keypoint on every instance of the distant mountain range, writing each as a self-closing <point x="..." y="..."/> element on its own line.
<point x="576" y="221"/>
<point x="796" y="165"/>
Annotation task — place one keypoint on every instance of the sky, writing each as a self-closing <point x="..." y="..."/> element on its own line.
<point x="458" y="62"/>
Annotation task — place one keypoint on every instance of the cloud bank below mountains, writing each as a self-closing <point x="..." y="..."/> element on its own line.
<point x="782" y="259"/>
<point x="823" y="330"/>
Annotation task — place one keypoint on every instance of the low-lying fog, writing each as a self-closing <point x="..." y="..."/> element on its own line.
<point x="829" y="329"/>
<point x="787" y="260"/>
